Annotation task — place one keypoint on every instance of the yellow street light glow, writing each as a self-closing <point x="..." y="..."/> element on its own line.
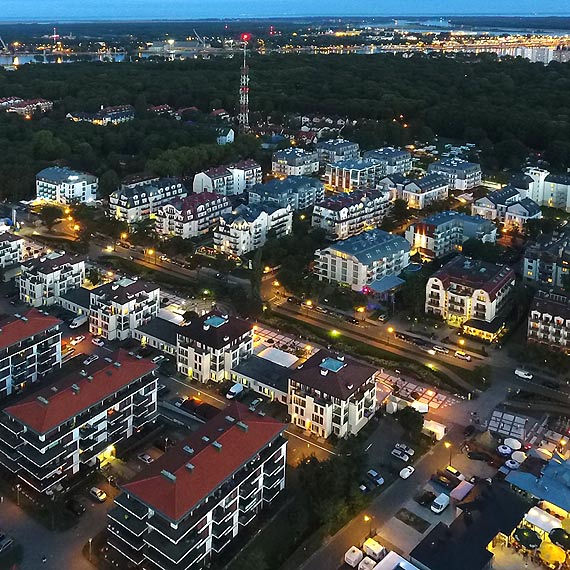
<point x="461" y="342"/>
<point x="124" y="235"/>
<point x="334" y="332"/>
<point x="76" y="227"/>
<point x="276" y="283"/>
<point x="447" y="445"/>
<point x="309" y="303"/>
<point x="390" y="330"/>
<point x="150" y="251"/>
<point x="367" y="518"/>
<point x="361" y="309"/>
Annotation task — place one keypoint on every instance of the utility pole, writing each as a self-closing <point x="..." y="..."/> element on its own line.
<point x="243" y="117"/>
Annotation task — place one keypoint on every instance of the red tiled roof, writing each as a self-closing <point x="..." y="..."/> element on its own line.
<point x="65" y="403"/>
<point x="15" y="329"/>
<point x="211" y="466"/>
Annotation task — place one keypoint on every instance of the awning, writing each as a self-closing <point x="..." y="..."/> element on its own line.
<point x="542" y="520"/>
<point x="461" y="491"/>
<point x="513" y="443"/>
<point x="560" y="537"/>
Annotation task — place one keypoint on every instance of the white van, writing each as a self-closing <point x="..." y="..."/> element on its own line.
<point x="440" y="503"/>
<point x="78" y="321"/>
<point x="235" y="391"/>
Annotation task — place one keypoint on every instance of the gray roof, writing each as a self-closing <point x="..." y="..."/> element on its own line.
<point x="521" y="180"/>
<point x="287" y="153"/>
<point x="51" y="262"/>
<point x="448" y="216"/>
<point x="501" y="196"/>
<point x="147" y="190"/>
<point x="79" y="296"/>
<point x="162" y="329"/>
<point x="371" y="246"/>
<point x="529" y="205"/>
<point x="453" y="164"/>
<point x="59" y="174"/>
<point x="265" y="372"/>
<point x="429" y="182"/>
<point x="387" y="153"/>
<point x="356" y="164"/>
<point x="335" y="144"/>
<point x="558" y="179"/>
<point x="291" y="185"/>
<point x="123" y="291"/>
<point x="250" y="213"/>
<point x="8" y="236"/>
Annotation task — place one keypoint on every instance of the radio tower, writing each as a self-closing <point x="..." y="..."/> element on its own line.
<point x="243" y="117"/>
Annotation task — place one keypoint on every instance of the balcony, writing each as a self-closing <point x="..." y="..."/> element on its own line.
<point x="131" y="523"/>
<point x="183" y="553"/>
<point x="272" y="480"/>
<point x="219" y="529"/>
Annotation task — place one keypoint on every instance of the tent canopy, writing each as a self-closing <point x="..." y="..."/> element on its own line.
<point x="560" y="537"/>
<point x="541" y="519"/>
<point x="526" y="537"/>
<point x="513" y="443"/>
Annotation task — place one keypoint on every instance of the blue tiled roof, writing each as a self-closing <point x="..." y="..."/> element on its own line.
<point x="356" y="164"/>
<point x="387" y="283"/>
<point x="372" y="245"/>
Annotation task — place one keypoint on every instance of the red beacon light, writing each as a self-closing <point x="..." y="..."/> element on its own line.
<point x="245" y="37"/>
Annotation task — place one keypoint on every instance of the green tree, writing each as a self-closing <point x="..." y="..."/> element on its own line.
<point x="49" y="215"/>
<point x="94" y="276"/>
<point x="411" y="420"/>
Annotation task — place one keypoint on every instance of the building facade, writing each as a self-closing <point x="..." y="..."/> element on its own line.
<point x="351" y="175"/>
<point x="229" y="180"/>
<point x="11" y="250"/>
<point x="460" y="174"/>
<point x="423" y="191"/>
<point x="547" y="261"/>
<point x="336" y="150"/>
<point x="28" y="107"/>
<point x="66" y="186"/>
<point x="396" y="160"/>
<point x="298" y="192"/>
<point x="295" y="162"/>
<point x="105" y="116"/>
<point x="549" y="320"/>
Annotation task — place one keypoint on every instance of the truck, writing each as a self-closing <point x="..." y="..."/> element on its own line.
<point x="434" y="429"/>
<point x="78" y="321"/>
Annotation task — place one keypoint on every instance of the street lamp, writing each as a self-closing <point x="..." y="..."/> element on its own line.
<point x="124" y="236"/>
<point x="390" y="333"/>
<point x="448" y="446"/>
<point x="361" y="310"/>
<point x="368" y="519"/>
<point x="461" y="342"/>
<point x="90" y="541"/>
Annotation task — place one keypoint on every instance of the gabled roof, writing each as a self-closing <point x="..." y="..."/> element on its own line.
<point x="189" y="205"/>
<point x="8" y="236"/>
<point x="529" y="205"/>
<point x="428" y="182"/>
<point x="124" y="290"/>
<point x="52" y="262"/>
<point x="500" y="197"/>
<point x="290" y="185"/>
<point x="14" y="329"/>
<point x="563" y="179"/>
<point x="215" y="329"/>
<point x="58" y="175"/>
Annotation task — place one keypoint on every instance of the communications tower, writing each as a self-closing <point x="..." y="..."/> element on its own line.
<point x="243" y="117"/>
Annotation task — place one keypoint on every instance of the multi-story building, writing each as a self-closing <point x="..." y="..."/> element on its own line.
<point x="66" y="186"/>
<point x="442" y="233"/>
<point x="494" y="205"/>
<point x="105" y="116"/>
<point x="331" y="394"/>
<point x="544" y="188"/>
<point x="44" y="279"/>
<point x="229" y="180"/>
<point x="366" y="261"/>
<point x="191" y="216"/>
<point x="396" y="160"/>
<point x="519" y="213"/>
<point x="299" y="192"/>
<point x="77" y="419"/>
<point x="30" y="347"/>
<point x="6" y="102"/>
<point x="471" y="293"/>
<point x="350" y="175"/>
<point x="11" y="250"/>
<point x="549" y="320"/>
<point x="336" y="150"/>
<point x="30" y="106"/>
<point x="245" y="229"/>
<point x="116" y="309"/>
<point x="141" y="200"/>
<point x="186" y="507"/>
<point x="460" y="174"/>
<point x="346" y="215"/>
<point x="209" y="346"/>
<point x="547" y="261"/>
<point x="423" y="191"/>
<point x="295" y="162"/>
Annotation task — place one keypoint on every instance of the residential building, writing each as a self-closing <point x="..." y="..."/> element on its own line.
<point x="471" y="293"/>
<point x="245" y="228"/>
<point x="423" y="191"/>
<point x="460" y="174"/>
<point x="187" y="506"/>
<point x="141" y="199"/>
<point x="557" y="191"/>
<point x="225" y="135"/>
<point x="191" y="216"/>
<point x="6" y="102"/>
<point x="11" y="251"/>
<point x="229" y="180"/>
<point x="332" y="394"/>
<point x="549" y="320"/>
<point x="546" y="189"/>
<point x="494" y="206"/>
<point x="28" y="107"/>
<point x="336" y="150"/>
<point x="442" y="233"/>
<point x="117" y="308"/>
<point x="519" y="213"/>
<point x="547" y="260"/>
<point x="396" y="160"/>
<point x="367" y="261"/>
<point x="346" y="215"/>
<point x="209" y="346"/>
<point x="298" y="192"/>
<point x="30" y="347"/>
<point x="295" y="162"/>
<point x="76" y="420"/>
<point x="66" y="186"/>
<point x="265" y="377"/>
<point x="45" y="279"/>
<point x="354" y="174"/>
<point x="105" y="116"/>
<point x="160" y="334"/>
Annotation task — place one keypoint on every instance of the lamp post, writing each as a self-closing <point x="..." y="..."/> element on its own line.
<point x="390" y="332"/>
<point x="449" y="446"/>
<point x="368" y="519"/>
<point x="90" y="541"/>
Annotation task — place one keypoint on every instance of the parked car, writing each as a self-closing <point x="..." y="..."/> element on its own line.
<point x="145" y="458"/>
<point x="522" y="373"/>
<point x="403" y="447"/>
<point x="363" y="487"/>
<point x="158" y="359"/>
<point x="425" y="499"/>
<point x="455" y="472"/>
<point x="77" y="340"/>
<point x="98" y="494"/>
<point x="399" y="454"/>
<point x="90" y="359"/>
<point x="75" y="506"/>
<point x="478" y="455"/>
<point x="97" y="341"/>
<point x="469" y="431"/>
<point x="407" y="472"/>
<point x="70" y="350"/>
<point x="352" y="320"/>
<point x="374" y="476"/>
<point x="462" y="355"/>
<point x="441" y="349"/>
<point x="447" y="481"/>
<point x="235" y="392"/>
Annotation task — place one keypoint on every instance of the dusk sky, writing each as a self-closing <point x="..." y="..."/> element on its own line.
<point x="49" y="10"/>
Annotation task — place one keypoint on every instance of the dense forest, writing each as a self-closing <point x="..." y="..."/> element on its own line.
<point x="507" y="107"/>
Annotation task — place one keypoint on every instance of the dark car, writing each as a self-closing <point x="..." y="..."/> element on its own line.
<point x="425" y="499"/>
<point x="445" y="480"/>
<point x="75" y="506"/>
<point x="352" y="320"/>
<point x="469" y="431"/>
<point x="478" y="456"/>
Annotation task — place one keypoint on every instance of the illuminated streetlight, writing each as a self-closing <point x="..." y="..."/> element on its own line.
<point x="76" y="227"/>
<point x="124" y="236"/>
<point x="368" y="519"/>
<point x="449" y="446"/>
<point x="150" y="251"/>
<point x="390" y="330"/>
<point x="462" y="342"/>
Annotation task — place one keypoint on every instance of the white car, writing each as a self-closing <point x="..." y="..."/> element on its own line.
<point x="462" y="355"/>
<point x="441" y="349"/>
<point x="77" y="340"/>
<point x="97" y="341"/>
<point x="521" y="373"/>
<point x="98" y="494"/>
<point x="90" y="359"/>
<point x="158" y="359"/>
<point x="403" y="447"/>
<point x="407" y="472"/>
<point x="399" y="454"/>
<point x="145" y="458"/>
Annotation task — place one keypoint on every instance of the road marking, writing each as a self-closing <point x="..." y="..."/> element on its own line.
<point x="368" y="446"/>
<point x="197" y="390"/>
<point x="310" y="442"/>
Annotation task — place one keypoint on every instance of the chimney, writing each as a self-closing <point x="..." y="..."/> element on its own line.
<point x="243" y="426"/>
<point x="75" y="388"/>
<point x="168" y="475"/>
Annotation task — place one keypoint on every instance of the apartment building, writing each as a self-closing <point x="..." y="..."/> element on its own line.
<point x="549" y="320"/>
<point x="66" y="186"/>
<point x="368" y="261"/>
<point x="494" y="206"/>
<point x="28" y="107"/>
<point x="298" y="192"/>
<point x="45" y="279"/>
<point x="245" y="228"/>
<point x="116" y="309"/>
<point x="547" y="260"/>
<point x="354" y="174"/>
<point x="142" y="198"/>
<point x="295" y="162"/>
<point x="336" y="150"/>
<point x="472" y="294"/>
<point x="519" y="213"/>
<point x="30" y="348"/>
<point x="460" y="174"/>
<point x="11" y="250"/>
<point x="105" y="116"/>
<point x="229" y="180"/>
<point x="184" y="509"/>
<point x="423" y="191"/>
<point x="544" y="188"/>
<point x="396" y="160"/>
<point x="346" y="215"/>
<point x="209" y="346"/>
<point x="442" y="233"/>
<point x="191" y="216"/>
<point x="76" y="420"/>
<point x="331" y="394"/>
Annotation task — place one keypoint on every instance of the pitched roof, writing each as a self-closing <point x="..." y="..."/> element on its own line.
<point x="215" y="329"/>
<point x="124" y="290"/>
<point x="8" y="236"/>
<point x="264" y="372"/>
<point x="52" y="262"/>
<point x="189" y="205"/>
<point x="58" y="175"/>
<point x="167" y="331"/>
<point x="241" y="435"/>
<point x="290" y="185"/>
<point x="14" y="329"/>
<point x="501" y="196"/>
<point x="428" y="182"/>
<point x="65" y="402"/>
<point x="529" y="205"/>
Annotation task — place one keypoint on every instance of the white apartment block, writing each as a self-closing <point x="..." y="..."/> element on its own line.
<point x="350" y="175"/>
<point x="494" y="205"/>
<point x="346" y="215"/>
<point x="209" y="346"/>
<point x="229" y="180"/>
<point x="11" y="250"/>
<point x="365" y="261"/>
<point x="45" y="279"/>
<point x="423" y="191"/>
<point x="245" y="229"/>
<point x="549" y="320"/>
<point x="519" y="213"/>
<point x="116" y="309"/>
<point x="460" y="174"/>
<point x="442" y="233"/>
<point x="295" y="162"/>
<point x="141" y="200"/>
<point x="298" y="192"/>
<point x="191" y="216"/>
<point x="66" y="186"/>
<point x="396" y="160"/>
<point x="331" y="394"/>
<point x="544" y="188"/>
<point x="76" y="420"/>
<point x="336" y="150"/>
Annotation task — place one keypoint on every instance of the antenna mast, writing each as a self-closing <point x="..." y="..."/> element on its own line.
<point x="243" y="117"/>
